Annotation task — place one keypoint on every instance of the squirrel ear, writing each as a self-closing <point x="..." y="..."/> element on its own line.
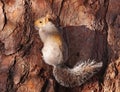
<point x="47" y="18"/>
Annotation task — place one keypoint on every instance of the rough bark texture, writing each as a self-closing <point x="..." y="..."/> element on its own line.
<point x="90" y="27"/>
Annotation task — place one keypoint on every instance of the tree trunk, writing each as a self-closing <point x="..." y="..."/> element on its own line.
<point x="91" y="29"/>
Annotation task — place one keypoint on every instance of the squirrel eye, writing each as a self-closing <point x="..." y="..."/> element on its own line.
<point x="40" y="21"/>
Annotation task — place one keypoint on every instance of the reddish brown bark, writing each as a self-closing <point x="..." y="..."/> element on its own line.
<point x="91" y="29"/>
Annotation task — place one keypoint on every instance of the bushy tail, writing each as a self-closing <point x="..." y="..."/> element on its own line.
<point x="76" y="76"/>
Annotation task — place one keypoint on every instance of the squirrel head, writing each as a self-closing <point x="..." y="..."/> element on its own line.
<point x="41" y="22"/>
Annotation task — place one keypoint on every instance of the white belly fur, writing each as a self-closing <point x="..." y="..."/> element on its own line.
<point x="52" y="54"/>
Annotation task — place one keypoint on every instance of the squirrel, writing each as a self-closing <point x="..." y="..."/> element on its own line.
<point x="55" y="53"/>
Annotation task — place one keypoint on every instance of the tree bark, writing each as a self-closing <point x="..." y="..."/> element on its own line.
<point x="91" y="29"/>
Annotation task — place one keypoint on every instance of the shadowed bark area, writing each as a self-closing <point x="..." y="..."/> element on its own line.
<point x="91" y="29"/>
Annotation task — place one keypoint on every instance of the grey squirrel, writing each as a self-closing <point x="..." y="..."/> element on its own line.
<point x="55" y="54"/>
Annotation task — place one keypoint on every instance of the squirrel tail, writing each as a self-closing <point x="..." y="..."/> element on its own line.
<point x="76" y="76"/>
